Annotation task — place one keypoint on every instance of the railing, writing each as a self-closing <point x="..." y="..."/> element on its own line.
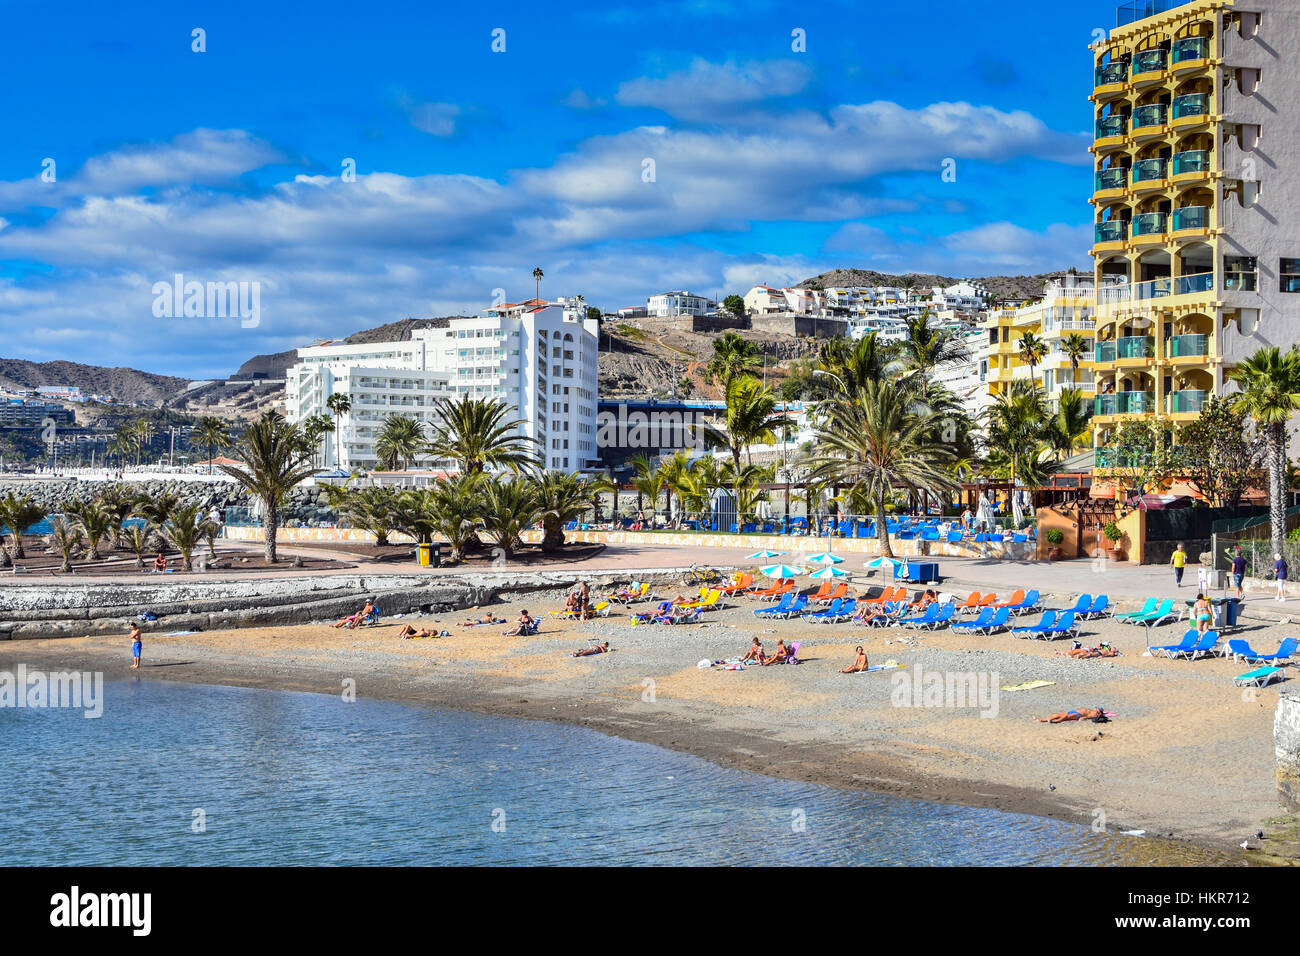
<point x="1134" y="347"/>
<point x="1152" y="114"/>
<point x="1105" y="352"/>
<point x="1114" y="231"/>
<point x="1188" y="285"/>
<point x="1115" y="178"/>
<point x="1141" y="9"/>
<point x="1110" y="294"/>
<point x="1152" y="289"/>
<point x="1136" y="403"/>
<point x="1149" y="169"/>
<point x="1182" y="346"/>
<point x="1192" y="161"/>
<point x="1111" y="73"/>
<point x="1191" y="48"/>
<point x="1240" y="282"/>
<point x="1191" y="217"/>
<point x="1112" y="126"/>
<point x="1188" y="400"/>
<point x="1150" y="61"/>
<point x="1149" y="224"/>
<point x="1191" y="104"/>
<point x="1105" y="405"/>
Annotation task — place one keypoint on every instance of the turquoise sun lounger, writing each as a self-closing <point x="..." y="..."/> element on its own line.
<point x="1259" y="677"/>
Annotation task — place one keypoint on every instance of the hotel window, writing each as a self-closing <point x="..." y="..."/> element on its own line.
<point x="1289" y="275"/>
<point x="1240" y="274"/>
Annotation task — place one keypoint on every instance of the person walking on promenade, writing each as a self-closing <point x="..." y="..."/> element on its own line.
<point x="1179" y="561"/>
<point x="1239" y="571"/>
<point x="1280" y="571"/>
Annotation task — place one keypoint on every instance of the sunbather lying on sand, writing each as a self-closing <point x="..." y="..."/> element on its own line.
<point x="755" y="652"/>
<point x="1081" y="653"/>
<point x="490" y="619"/>
<point x="1096" y="714"/>
<point x="594" y="649"/>
<point x="409" y="632"/>
<point x="779" y="657"/>
<point x="859" y="663"/>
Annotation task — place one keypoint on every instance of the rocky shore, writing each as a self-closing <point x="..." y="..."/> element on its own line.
<point x="306" y="504"/>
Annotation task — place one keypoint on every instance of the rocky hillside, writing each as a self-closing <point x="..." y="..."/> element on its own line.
<point x="1000" y="287"/>
<point x="124" y="384"/>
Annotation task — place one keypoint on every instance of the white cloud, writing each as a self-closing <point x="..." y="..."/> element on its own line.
<point x="436" y="119"/>
<point x="702" y="89"/>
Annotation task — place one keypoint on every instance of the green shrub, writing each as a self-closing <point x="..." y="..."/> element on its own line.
<point x="1112" y="532"/>
<point x="1054" y="536"/>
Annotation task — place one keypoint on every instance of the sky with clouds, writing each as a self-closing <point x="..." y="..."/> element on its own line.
<point x="768" y="163"/>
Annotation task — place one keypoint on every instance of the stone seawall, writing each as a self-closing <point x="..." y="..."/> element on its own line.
<point x="44" y="610"/>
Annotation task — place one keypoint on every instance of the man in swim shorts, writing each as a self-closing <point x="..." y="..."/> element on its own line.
<point x="137" y="646"/>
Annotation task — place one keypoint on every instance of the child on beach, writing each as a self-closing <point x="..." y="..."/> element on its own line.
<point x="137" y="646"/>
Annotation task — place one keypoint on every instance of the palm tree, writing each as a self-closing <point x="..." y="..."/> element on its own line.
<point x="851" y="365"/>
<point x="750" y="417"/>
<point x="96" y="522"/>
<point x="156" y="510"/>
<point x="18" y="514"/>
<point x="562" y="497"/>
<point x="126" y="440"/>
<point x="1070" y="425"/>
<point x="538" y="274"/>
<point x="697" y="486"/>
<point x="877" y="441"/>
<point x="648" y="481"/>
<point x="138" y="539"/>
<point x="1270" y="394"/>
<point x="144" y="432"/>
<point x="924" y="349"/>
<point x="184" y="530"/>
<point x="454" y="506"/>
<point x="371" y="509"/>
<point x="1074" y="347"/>
<point x="314" y="428"/>
<point x="65" y="538"/>
<point x="210" y="433"/>
<point x="509" y="508"/>
<point x="733" y="355"/>
<point x="400" y="441"/>
<point x="274" y="462"/>
<point x="1032" y="352"/>
<point x="1016" y="428"/>
<point x="675" y="472"/>
<point x="340" y="403"/>
<point x="478" y="433"/>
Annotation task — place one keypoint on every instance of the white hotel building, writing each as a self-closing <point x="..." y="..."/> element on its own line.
<point x="539" y="357"/>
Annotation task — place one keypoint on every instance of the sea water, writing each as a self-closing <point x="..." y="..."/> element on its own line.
<point x="188" y="774"/>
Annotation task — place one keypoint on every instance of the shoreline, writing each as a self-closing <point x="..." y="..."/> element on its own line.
<point x="894" y="768"/>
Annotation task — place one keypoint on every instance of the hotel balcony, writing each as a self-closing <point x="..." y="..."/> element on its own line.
<point x="1149" y="174"/>
<point x="1149" y="225"/>
<point x="1110" y="132"/>
<point x="1188" y="347"/>
<point x="1149" y="66"/>
<point x="1187" y="402"/>
<point x="1190" y="53"/>
<point x="1192" y="163"/>
<point x="1111" y="234"/>
<point x="1114" y="179"/>
<point x="1191" y="109"/>
<point x="1124" y="403"/>
<point x="1116" y="458"/>
<point x="1110" y="80"/>
<point x="1141" y="9"/>
<point x="1149" y="121"/>
<point x="1191" y="219"/>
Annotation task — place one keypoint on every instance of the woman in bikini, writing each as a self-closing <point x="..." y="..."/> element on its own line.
<point x="490" y="619"/>
<point x="407" y="632"/>
<point x="594" y="649"/>
<point x="1201" y="611"/>
<point x="779" y="657"/>
<point x="859" y="663"/>
<point x="755" y="653"/>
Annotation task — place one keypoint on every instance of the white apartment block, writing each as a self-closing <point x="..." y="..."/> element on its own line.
<point x="666" y="305"/>
<point x="539" y="357"/>
<point x="967" y="379"/>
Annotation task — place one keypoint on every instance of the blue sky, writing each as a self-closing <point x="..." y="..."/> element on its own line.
<point x="474" y="166"/>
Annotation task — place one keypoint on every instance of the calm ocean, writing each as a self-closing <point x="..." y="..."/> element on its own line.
<point x="290" y="778"/>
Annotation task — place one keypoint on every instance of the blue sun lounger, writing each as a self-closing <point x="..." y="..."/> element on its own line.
<point x="1204" y="647"/>
<point x="1032" y="630"/>
<point x="1187" y="643"/>
<point x="943" y="617"/>
<point x="784" y="605"/>
<point x="1065" y="624"/>
<point x="1260" y="677"/>
<point x="830" y="612"/>
<point x="930" y="614"/>
<point x="1101" y="607"/>
<point x="984" y="619"/>
<point x="1242" y="650"/>
<point x="1081" y="605"/>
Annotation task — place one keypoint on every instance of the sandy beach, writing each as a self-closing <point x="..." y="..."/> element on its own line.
<point x="1188" y="756"/>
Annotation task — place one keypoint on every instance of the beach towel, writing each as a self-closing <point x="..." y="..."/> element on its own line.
<point x="1029" y="685"/>
<point x="887" y="666"/>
